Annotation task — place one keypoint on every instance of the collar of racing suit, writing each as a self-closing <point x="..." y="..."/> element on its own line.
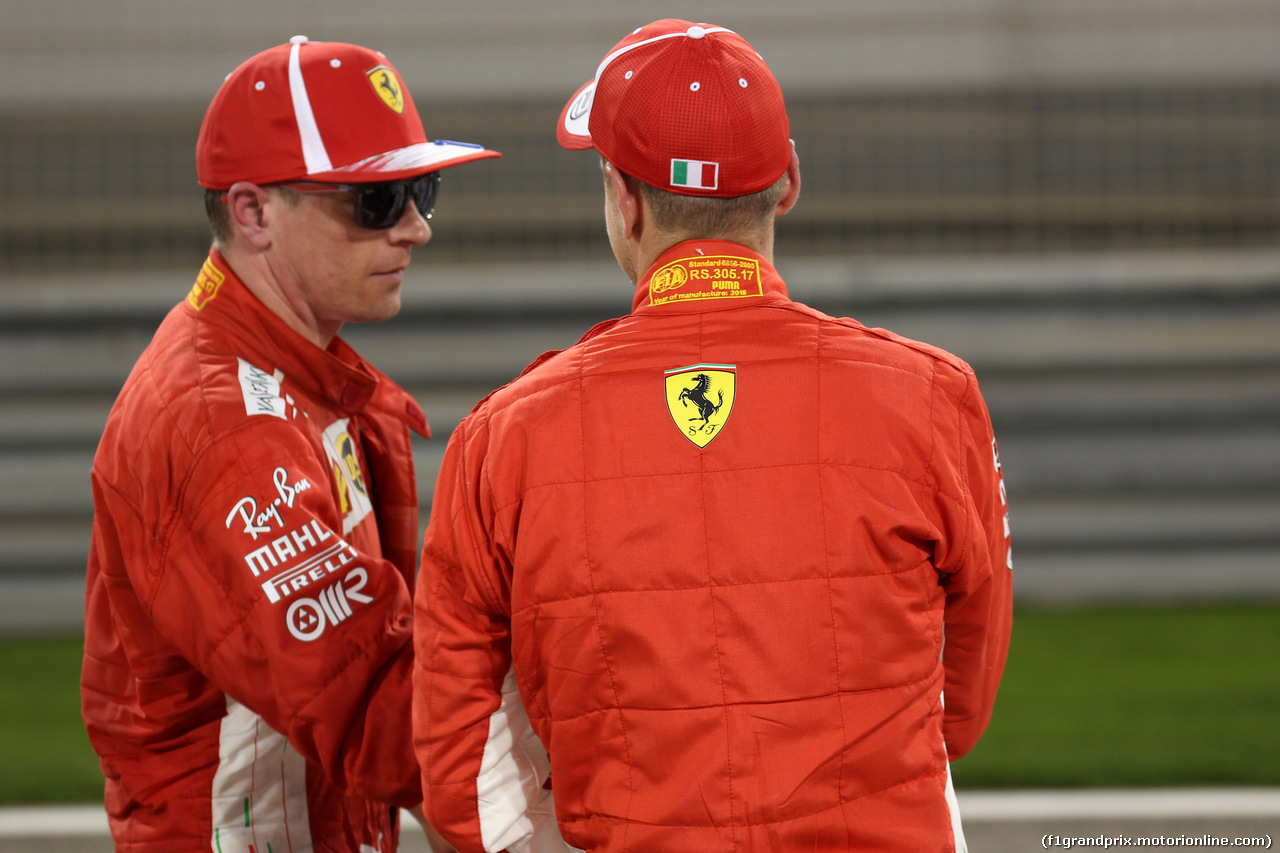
<point x="702" y="275"/>
<point x="337" y="375"/>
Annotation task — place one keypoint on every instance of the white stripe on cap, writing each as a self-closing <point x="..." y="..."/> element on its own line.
<point x="313" y="150"/>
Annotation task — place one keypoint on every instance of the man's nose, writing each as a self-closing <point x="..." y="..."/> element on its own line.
<point x="412" y="228"/>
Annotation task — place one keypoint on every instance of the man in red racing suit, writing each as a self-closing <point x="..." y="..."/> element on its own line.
<point x="733" y="554"/>
<point x="248" y="616"/>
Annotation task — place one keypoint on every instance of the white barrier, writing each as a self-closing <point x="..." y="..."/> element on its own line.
<point x="992" y="806"/>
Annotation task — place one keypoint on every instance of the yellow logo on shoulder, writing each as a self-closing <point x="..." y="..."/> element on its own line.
<point x="206" y="286"/>
<point x="353" y="494"/>
<point x="711" y="277"/>
<point x="700" y="399"/>
<point x="387" y="85"/>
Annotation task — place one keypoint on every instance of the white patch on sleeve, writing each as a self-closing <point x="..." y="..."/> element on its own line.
<point x="516" y="812"/>
<point x="261" y="391"/>
<point x="259" y="793"/>
<point x="953" y="805"/>
<point x="957" y="831"/>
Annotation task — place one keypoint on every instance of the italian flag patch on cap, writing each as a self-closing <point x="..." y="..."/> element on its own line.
<point x="695" y="174"/>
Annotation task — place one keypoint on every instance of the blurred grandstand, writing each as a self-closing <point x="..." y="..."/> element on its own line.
<point x="1080" y="197"/>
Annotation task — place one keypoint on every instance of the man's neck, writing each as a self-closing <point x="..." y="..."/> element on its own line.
<point x="254" y="270"/>
<point x="647" y="251"/>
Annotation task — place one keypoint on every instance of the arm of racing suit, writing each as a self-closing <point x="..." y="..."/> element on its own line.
<point x="483" y="768"/>
<point x="978" y="581"/>
<point x="256" y="583"/>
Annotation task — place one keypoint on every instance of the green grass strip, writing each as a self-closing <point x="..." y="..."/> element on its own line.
<point x="1126" y="696"/>
<point x="45" y="755"/>
<point x="1097" y="697"/>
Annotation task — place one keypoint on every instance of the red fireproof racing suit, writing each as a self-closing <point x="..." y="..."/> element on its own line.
<point x="248" y="615"/>
<point x="734" y="552"/>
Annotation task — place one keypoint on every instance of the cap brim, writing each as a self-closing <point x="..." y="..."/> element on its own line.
<point x="408" y="162"/>
<point x="572" y="131"/>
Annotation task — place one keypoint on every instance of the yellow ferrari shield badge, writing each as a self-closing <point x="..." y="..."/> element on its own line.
<point x="387" y="85"/>
<point x="700" y="399"/>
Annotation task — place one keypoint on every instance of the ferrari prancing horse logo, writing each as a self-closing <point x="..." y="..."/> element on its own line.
<point x="387" y="85"/>
<point x="700" y="399"/>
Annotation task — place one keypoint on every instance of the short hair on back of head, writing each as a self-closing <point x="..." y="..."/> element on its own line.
<point x="701" y="218"/>
<point x="219" y="215"/>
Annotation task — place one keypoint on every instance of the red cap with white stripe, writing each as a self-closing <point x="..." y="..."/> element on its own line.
<point x="688" y="108"/>
<point x="318" y="111"/>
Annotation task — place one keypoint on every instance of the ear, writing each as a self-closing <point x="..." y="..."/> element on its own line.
<point x="625" y="194"/>
<point x="792" y="192"/>
<point x="250" y="207"/>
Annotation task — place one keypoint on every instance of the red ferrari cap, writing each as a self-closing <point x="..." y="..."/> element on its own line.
<point x="318" y="111"/>
<point x="688" y="108"/>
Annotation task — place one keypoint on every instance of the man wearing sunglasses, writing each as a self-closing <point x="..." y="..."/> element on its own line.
<point x="248" y="617"/>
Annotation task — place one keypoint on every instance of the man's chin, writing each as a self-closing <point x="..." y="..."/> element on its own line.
<point x="383" y="309"/>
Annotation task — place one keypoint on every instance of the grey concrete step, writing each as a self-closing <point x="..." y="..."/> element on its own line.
<point x="1024" y="341"/>
<point x="1136" y="399"/>
<point x="1051" y="525"/>
<point x="54" y="602"/>
<point x="1174" y="458"/>
<point x="69" y="298"/>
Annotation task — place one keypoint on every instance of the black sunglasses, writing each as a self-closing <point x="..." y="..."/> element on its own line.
<point x="380" y="206"/>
